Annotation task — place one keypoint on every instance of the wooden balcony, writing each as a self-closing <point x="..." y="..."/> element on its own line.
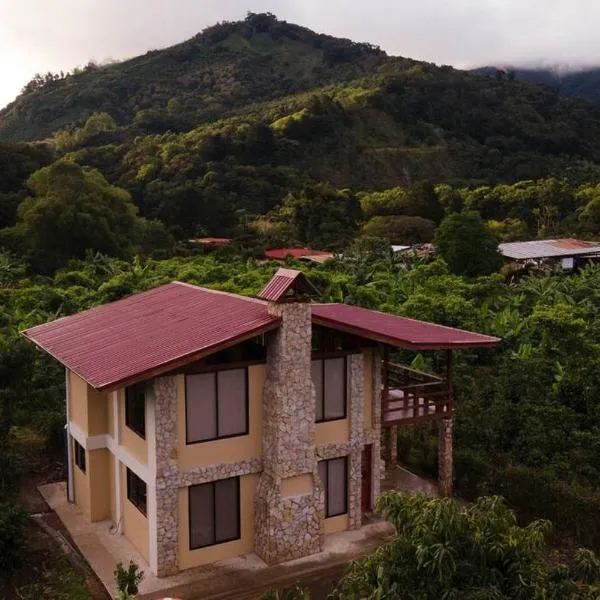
<point x="411" y="396"/>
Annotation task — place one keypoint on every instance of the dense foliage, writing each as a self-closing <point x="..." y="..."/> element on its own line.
<point x="445" y="550"/>
<point x="467" y="245"/>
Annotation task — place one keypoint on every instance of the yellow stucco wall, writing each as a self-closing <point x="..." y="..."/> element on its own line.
<point x="231" y="449"/>
<point x="201" y="556"/>
<point x="335" y="524"/>
<point x="332" y="432"/>
<point x="88" y="408"/>
<point x="297" y="486"/>
<point x="98" y="406"/>
<point x="78" y="405"/>
<point x="368" y="389"/>
<point x="130" y="440"/>
<point x="135" y="524"/>
<point x="99" y="474"/>
<point x="81" y="483"/>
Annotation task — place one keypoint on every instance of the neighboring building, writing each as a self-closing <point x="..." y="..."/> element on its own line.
<point x="204" y="425"/>
<point x="303" y="254"/>
<point x="210" y="242"/>
<point x="569" y="253"/>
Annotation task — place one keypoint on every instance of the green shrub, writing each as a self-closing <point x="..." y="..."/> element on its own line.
<point x="12" y="538"/>
<point x="128" y="579"/>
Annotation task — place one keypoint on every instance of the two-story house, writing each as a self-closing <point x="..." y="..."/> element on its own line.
<point x="204" y="425"/>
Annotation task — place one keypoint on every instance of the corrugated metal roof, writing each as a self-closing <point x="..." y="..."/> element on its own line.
<point x="283" y="253"/>
<point x="548" y="248"/>
<point x="284" y="281"/>
<point x="150" y="332"/>
<point x="396" y="331"/>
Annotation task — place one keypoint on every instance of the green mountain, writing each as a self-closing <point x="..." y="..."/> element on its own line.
<point x="227" y="66"/>
<point x="584" y="83"/>
<point x="211" y="133"/>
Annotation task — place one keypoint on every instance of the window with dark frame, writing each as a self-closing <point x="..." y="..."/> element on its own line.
<point x="135" y="409"/>
<point x="79" y="452"/>
<point x="329" y="377"/>
<point x="334" y="476"/>
<point x="214" y="512"/>
<point x="216" y="405"/>
<point x="136" y="491"/>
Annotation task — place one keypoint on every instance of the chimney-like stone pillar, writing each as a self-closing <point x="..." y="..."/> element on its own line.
<point x="165" y="529"/>
<point x="289" y="509"/>
<point x="445" y="463"/>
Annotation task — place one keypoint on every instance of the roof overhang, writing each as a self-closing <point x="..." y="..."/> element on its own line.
<point x="167" y="366"/>
<point x="461" y="339"/>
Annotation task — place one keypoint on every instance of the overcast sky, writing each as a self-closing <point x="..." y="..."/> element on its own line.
<point x="50" y="35"/>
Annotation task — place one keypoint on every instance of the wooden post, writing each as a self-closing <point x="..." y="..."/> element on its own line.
<point x="445" y="458"/>
<point x="391" y="433"/>
<point x="449" y="375"/>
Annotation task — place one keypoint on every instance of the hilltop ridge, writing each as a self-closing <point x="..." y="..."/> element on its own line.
<point x="226" y="66"/>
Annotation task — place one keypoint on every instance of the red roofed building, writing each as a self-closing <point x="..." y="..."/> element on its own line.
<point x="304" y="254"/>
<point x="205" y="425"/>
<point x="211" y="242"/>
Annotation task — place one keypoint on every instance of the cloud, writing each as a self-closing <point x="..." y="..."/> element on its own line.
<point x="37" y="35"/>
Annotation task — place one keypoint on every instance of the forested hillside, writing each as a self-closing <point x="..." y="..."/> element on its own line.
<point x="214" y="134"/>
<point x="274" y="135"/>
<point x="584" y="83"/>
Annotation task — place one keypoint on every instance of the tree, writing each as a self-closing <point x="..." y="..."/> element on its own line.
<point x="401" y="230"/>
<point x="445" y="550"/>
<point x="467" y="245"/>
<point x="73" y="210"/>
<point x="322" y="216"/>
<point x="589" y="215"/>
<point x="508" y="230"/>
<point x="97" y="124"/>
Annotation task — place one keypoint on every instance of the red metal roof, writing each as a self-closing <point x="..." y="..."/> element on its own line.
<point x="396" y="331"/>
<point x="150" y="333"/>
<point x="212" y="241"/>
<point x="285" y="281"/>
<point x="283" y="253"/>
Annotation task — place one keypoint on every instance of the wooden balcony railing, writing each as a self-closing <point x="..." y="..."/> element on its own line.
<point x="410" y="396"/>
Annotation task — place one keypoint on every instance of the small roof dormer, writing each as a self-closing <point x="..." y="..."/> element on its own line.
<point x="288" y="285"/>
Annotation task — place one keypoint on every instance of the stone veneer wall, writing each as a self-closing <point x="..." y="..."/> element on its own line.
<point x="375" y="440"/>
<point x="356" y="368"/>
<point x="167" y="475"/>
<point x="291" y="527"/>
<point x="285" y="528"/>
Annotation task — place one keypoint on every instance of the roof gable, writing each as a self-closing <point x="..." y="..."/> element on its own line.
<point x="286" y="285"/>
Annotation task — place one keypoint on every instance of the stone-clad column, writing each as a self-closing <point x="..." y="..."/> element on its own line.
<point x="445" y="467"/>
<point x="167" y="476"/>
<point x="288" y="527"/>
<point x="356" y="370"/>
<point x="376" y="464"/>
